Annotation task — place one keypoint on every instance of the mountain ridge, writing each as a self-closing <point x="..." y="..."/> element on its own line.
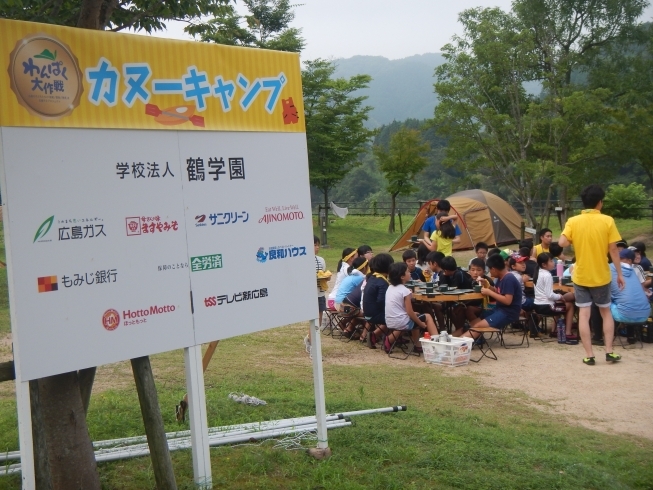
<point x="400" y="89"/>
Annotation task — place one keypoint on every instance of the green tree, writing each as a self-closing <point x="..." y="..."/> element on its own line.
<point x="566" y="36"/>
<point x="625" y="201"/>
<point x="267" y="26"/>
<point x="627" y="69"/>
<point x="113" y="15"/>
<point x="335" y="118"/>
<point x="483" y="108"/>
<point x="400" y="162"/>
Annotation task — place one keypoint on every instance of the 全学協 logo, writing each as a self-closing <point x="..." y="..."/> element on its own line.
<point x="44" y="75"/>
<point x="44" y="228"/>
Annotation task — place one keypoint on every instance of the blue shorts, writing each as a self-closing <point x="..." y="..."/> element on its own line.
<point x="498" y="318"/>
<point x="411" y="323"/>
<point x="528" y="304"/>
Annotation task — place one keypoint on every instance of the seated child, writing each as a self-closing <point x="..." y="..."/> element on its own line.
<point x="517" y="264"/>
<point x="629" y="305"/>
<point x="481" y="249"/>
<point x="410" y="259"/>
<point x="531" y="264"/>
<point x="374" y="295"/>
<point x="474" y="308"/>
<point x="454" y="277"/>
<point x="399" y="314"/>
<point x="353" y="281"/>
<point x="434" y="260"/>
<point x="507" y="295"/>
<point x="545" y="297"/>
<point x="348" y="256"/>
<point x="423" y="263"/>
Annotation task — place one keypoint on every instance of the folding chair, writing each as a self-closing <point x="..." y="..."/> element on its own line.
<point x="330" y="321"/>
<point x="637" y="332"/>
<point x="359" y="326"/>
<point x="404" y="343"/>
<point x="541" y="322"/>
<point x="522" y="330"/>
<point x="484" y="345"/>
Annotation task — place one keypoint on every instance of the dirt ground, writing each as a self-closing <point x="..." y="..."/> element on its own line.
<point x="613" y="398"/>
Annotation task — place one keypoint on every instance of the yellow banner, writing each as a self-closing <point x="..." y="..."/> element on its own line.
<point x="77" y="78"/>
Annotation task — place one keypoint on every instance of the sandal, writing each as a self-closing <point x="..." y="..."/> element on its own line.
<point x="612" y="357"/>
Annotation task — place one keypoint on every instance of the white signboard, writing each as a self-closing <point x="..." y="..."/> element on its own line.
<point x="109" y="231"/>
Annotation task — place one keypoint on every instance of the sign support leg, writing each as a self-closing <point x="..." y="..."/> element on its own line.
<point x="318" y="383"/>
<point x="25" y="435"/>
<point x="154" y="429"/>
<point x="197" y="409"/>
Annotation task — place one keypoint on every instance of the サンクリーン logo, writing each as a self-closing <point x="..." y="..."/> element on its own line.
<point x="45" y="76"/>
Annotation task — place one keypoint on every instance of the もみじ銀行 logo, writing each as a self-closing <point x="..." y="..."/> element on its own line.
<point x="44" y="75"/>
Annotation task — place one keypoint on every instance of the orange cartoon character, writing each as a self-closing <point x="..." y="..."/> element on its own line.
<point x="290" y="115"/>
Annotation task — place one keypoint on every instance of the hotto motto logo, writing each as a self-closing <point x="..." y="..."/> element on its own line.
<point x="111" y="320"/>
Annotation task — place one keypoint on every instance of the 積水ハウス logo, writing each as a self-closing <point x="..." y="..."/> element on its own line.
<point x="281" y="252"/>
<point x="45" y="76"/>
<point x="44" y="229"/>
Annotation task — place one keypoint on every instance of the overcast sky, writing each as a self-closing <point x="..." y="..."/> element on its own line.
<point x="390" y="28"/>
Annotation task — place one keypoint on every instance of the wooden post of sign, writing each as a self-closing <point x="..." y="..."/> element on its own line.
<point x="522" y="231"/>
<point x="199" y="429"/>
<point x="86" y="379"/>
<point x="154" y="430"/>
<point x="41" y="462"/>
<point x="66" y="433"/>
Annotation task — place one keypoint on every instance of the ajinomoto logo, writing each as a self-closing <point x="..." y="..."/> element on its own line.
<point x="45" y="76"/>
<point x="44" y="229"/>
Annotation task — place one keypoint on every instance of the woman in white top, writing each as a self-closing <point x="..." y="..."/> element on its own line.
<point x="399" y="314"/>
<point x="545" y="298"/>
<point x="348" y="256"/>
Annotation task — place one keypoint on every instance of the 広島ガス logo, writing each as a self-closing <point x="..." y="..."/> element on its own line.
<point x="45" y="76"/>
<point x="44" y="228"/>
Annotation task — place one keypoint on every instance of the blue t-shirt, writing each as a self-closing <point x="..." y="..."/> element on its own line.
<point x="417" y="275"/>
<point x="645" y="263"/>
<point x="430" y="227"/>
<point x="509" y="284"/>
<point x="347" y="285"/>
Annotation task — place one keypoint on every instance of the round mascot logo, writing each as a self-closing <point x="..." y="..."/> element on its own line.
<point x="45" y="76"/>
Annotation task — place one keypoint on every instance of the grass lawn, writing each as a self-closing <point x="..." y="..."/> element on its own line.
<point x="457" y="433"/>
